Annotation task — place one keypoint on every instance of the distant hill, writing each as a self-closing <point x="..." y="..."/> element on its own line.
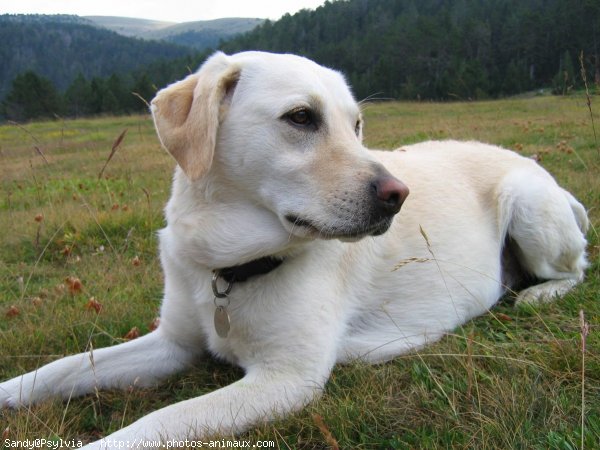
<point x="129" y="27"/>
<point x="198" y="35"/>
<point x="61" y="47"/>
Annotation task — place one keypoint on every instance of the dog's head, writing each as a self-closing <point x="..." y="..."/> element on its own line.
<point x="284" y="134"/>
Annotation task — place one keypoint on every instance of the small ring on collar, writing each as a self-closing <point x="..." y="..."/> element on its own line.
<point x="215" y="288"/>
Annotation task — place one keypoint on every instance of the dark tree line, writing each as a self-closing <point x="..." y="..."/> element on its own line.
<point x="404" y="49"/>
<point x="33" y="96"/>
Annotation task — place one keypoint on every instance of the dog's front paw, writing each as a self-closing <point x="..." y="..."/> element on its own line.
<point x="12" y="394"/>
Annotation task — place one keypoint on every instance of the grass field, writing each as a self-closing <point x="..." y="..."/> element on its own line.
<point x="78" y="266"/>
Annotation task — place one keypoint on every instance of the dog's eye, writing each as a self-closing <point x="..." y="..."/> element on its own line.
<point x="302" y="117"/>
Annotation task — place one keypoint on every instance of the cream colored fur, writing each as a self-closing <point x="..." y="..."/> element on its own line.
<point x="341" y="293"/>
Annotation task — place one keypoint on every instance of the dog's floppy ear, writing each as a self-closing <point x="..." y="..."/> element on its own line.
<point x="186" y="113"/>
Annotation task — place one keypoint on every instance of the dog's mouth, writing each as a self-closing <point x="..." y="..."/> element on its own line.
<point x="344" y="232"/>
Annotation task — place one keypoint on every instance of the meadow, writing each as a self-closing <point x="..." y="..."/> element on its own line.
<point x="79" y="270"/>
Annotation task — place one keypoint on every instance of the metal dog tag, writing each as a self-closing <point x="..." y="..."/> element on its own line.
<point x="222" y="323"/>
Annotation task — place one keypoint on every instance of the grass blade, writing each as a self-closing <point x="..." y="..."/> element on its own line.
<point x="115" y="146"/>
<point x="36" y="147"/>
<point x="588" y="98"/>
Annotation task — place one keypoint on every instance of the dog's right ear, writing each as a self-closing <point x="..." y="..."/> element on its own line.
<point x="186" y="113"/>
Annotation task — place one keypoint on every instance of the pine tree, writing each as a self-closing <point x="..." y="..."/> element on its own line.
<point x="97" y="92"/>
<point x="142" y="87"/>
<point x="565" y="79"/>
<point x="78" y="97"/>
<point x="117" y="99"/>
<point x="32" y="97"/>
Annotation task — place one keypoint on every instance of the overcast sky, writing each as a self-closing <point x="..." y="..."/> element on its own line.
<point x="164" y="10"/>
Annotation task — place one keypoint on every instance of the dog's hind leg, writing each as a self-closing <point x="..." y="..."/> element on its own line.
<point x="141" y="362"/>
<point x="546" y="226"/>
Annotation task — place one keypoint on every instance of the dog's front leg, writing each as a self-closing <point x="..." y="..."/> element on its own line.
<point x="260" y="396"/>
<point x="140" y="362"/>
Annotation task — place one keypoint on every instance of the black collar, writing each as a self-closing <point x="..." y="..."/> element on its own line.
<point x="241" y="273"/>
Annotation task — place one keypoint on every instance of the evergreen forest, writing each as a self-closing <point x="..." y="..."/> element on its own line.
<point x="55" y="66"/>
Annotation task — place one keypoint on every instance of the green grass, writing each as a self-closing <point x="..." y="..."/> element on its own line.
<point x="509" y="379"/>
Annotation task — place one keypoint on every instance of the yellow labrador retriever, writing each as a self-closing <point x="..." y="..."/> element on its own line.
<point x="282" y="239"/>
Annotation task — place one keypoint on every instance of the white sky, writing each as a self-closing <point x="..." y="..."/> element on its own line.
<point x="164" y="10"/>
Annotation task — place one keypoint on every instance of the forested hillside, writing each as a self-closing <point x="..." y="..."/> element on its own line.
<point x="60" y="48"/>
<point x="400" y="49"/>
<point x="442" y="49"/>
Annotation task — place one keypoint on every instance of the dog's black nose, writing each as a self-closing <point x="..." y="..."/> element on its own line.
<point x="389" y="194"/>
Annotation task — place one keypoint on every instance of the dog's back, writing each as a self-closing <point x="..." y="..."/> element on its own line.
<point x="445" y="258"/>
